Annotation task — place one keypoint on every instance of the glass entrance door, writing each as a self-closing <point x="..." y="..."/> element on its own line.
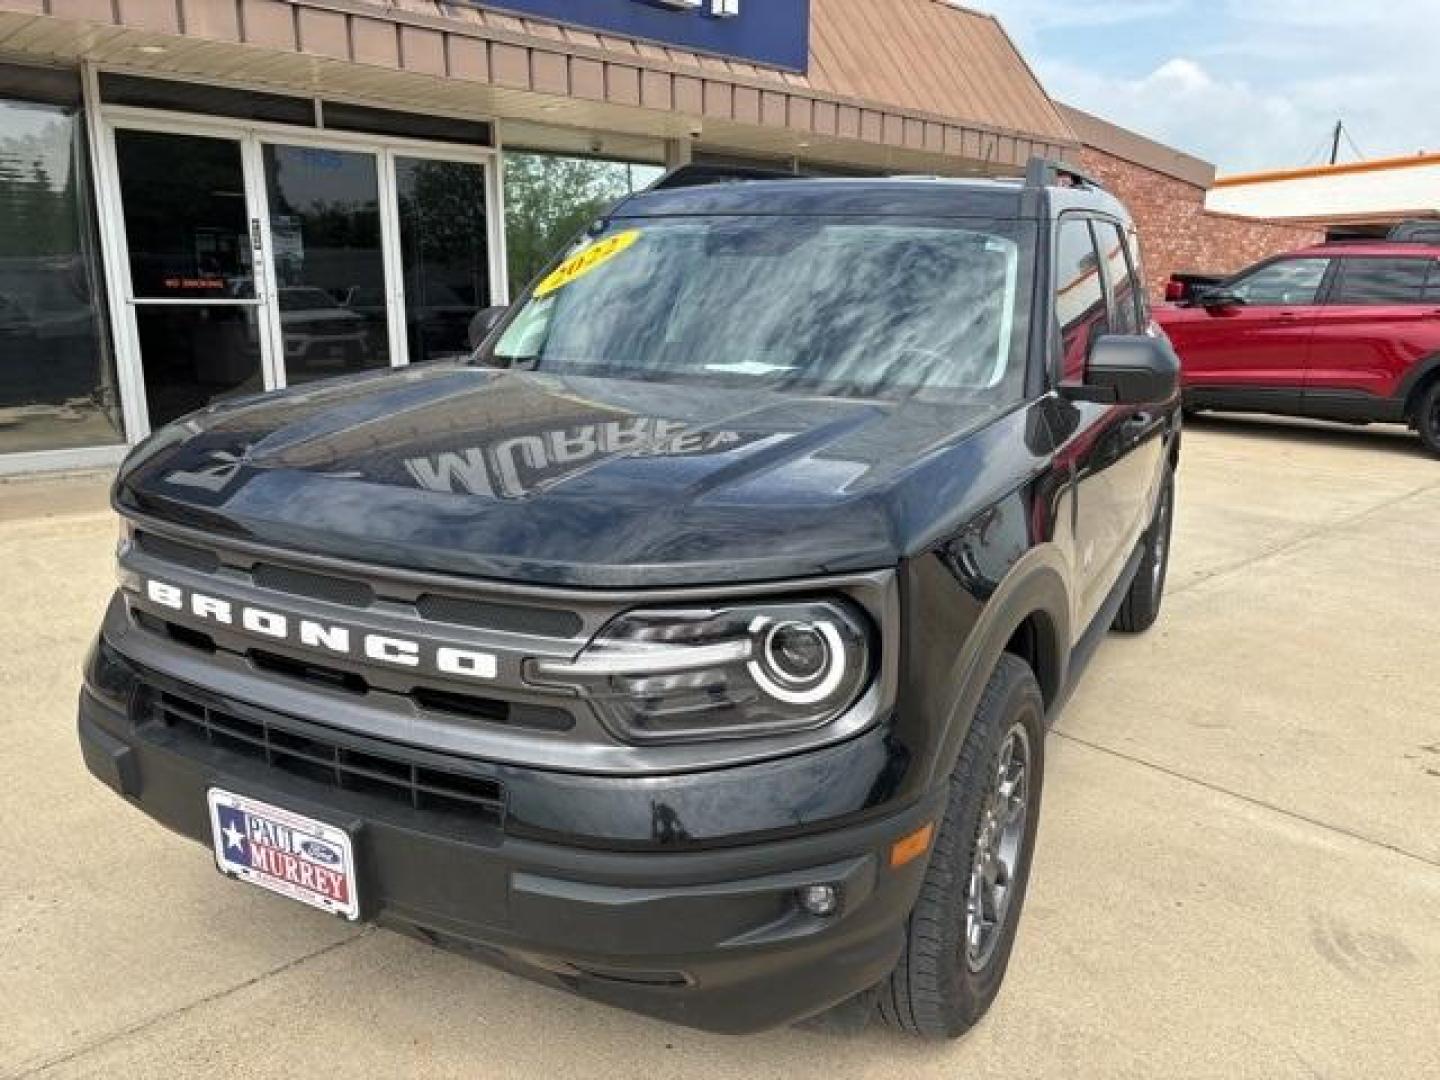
<point x="255" y="261"/>
<point x="327" y="246"/>
<point x="444" y="252"/>
<point x="193" y="294"/>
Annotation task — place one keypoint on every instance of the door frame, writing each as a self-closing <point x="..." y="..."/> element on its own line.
<point x="123" y="301"/>
<point x="252" y="135"/>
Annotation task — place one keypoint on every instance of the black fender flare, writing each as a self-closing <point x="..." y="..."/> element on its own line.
<point x="1037" y="585"/>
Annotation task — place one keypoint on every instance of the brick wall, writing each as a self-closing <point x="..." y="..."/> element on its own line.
<point x="1178" y="234"/>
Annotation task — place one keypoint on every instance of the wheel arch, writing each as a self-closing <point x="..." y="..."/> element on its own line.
<point x="1417" y="381"/>
<point x="1036" y="641"/>
<point x="1027" y="615"/>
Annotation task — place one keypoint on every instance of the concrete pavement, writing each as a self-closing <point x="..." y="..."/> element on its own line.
<point x="1238" y="872"/>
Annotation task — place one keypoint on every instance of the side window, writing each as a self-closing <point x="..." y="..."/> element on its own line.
<point x="1079" y="295"/>
<point x="1381" y="281"/>
<point x="1289" y="281"/>
<point x="1432" y="283"/>
<point x="1124" y="309"/>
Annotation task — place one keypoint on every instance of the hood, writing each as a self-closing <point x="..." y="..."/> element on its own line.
<point x="560" y="481"/>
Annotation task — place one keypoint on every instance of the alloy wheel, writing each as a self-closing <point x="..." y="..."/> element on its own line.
<point x="998" y="849"/>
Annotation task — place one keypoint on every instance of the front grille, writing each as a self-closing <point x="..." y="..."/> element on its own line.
<point x="184" y="635"/>
<point x="167" y="550"/>
<point x="543" y="622"/>
<point x="316" y="586"/>
<point x="539" y="620"/>
<point x="311" y="753"/>
<point x="467" y="706"/>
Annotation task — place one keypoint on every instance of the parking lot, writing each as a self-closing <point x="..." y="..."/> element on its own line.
<point x="1238" y="871"/>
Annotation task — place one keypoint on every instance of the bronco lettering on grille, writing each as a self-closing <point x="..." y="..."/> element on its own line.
<point x="323" y="637"/>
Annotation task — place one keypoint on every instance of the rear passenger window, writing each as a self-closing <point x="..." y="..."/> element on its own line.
<point x="1382" y="281"/>
<point x="1079" y="295"/>
<point x="1124" y="310"/>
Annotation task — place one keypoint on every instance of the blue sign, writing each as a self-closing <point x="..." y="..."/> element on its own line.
<point x="773" y="33"/>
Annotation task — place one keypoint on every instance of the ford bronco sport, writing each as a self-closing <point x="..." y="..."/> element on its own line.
<point x="691" y="646"/>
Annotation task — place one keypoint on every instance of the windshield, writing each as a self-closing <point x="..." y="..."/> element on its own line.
<point x="857" y="306"/>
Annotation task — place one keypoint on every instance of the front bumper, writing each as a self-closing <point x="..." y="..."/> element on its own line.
<point x="711" y="937"/>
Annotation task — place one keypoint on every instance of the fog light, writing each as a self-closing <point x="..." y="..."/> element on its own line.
<point x="820" y="900"/>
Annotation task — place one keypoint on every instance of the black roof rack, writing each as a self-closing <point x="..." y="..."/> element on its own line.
<point x="1039" y="172"/>
<point x="1043" y="172"/>
<point x="700" y="175"/>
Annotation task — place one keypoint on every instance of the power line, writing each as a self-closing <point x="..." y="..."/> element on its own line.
<point x="1357" y="151"/>
<point x="1338" y="132"/>
<point x="1317" y="155"/>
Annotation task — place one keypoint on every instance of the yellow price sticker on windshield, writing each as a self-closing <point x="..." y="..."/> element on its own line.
<point x="586" y="260"/>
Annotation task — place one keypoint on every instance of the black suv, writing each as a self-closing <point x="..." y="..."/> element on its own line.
<point x="692" y="646"/>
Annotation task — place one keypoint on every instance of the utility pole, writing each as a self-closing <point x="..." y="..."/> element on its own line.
<point x="1335" y="141"/>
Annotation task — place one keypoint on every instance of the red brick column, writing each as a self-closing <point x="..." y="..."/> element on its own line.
<point x="1178" y="234"/>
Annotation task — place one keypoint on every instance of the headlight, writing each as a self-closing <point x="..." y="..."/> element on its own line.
<point x="686" y="674"/>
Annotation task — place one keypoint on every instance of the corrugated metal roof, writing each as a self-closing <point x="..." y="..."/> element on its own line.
<point x="924" y="56"/>
<point x="907" y="85"/>
<point x="929" y="56"/>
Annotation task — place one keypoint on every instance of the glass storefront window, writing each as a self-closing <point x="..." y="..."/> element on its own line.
<point x="57" y="379"/>
<point x="330" y="274"/>
<point x="445" y="253"/>
<point x="550" y="198"/>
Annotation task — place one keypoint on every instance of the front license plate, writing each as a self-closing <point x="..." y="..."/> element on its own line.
<point x="285" y="852"/>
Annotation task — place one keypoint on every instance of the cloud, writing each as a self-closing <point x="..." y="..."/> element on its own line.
<point x="1243" y="83"/>
<point x="1240" y="124"/>
<point x="1182" y="103"/>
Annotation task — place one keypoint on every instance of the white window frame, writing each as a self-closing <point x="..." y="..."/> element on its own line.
<point x="102" y="122"/>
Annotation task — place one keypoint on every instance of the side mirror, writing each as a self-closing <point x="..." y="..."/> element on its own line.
<point x="1129" y="370"/>
<point x="1219" y="298"/>
<point x="483" y="321"/>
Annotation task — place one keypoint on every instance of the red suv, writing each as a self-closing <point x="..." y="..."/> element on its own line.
<point x="1345" y="331"/>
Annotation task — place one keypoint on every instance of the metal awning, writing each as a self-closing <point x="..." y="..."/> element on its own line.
<point x="916" y="85"/>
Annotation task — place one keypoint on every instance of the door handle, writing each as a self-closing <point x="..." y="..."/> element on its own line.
<point x="1288" y="315"/>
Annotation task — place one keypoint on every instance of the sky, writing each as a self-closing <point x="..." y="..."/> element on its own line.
<point x="1246" y="84"/>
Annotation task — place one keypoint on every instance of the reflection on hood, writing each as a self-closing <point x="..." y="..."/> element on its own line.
<point x="512" y="466"/>
<point x="546" y="478"/>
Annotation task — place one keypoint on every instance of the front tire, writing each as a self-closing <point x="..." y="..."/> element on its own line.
<point x="1141" y="606"/>
<point x="1427" y="418"/>
<point x="960" y="933"/>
